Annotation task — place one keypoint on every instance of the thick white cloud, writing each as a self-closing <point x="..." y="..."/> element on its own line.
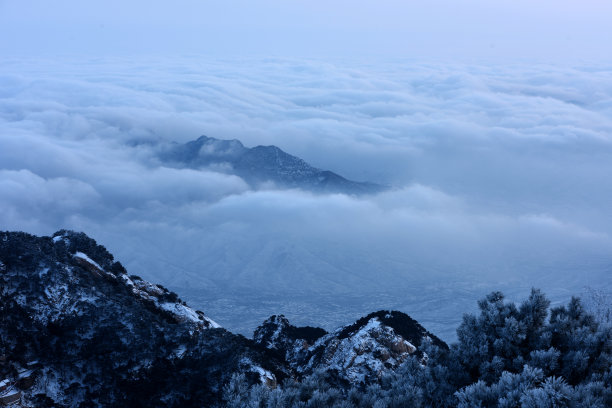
<point x="500" y="179"/>
<point x="30" y="202"/>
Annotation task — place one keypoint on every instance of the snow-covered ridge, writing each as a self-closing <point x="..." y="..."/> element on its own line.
<point x="94" y="331"/>
<point x="366" y="350"/>
<point x="140" y="288"/>
<point x="81" y="255"/>
<point x="372" y="351"/>
<point x="60" y="298"/>
<point x="185" y="313"/>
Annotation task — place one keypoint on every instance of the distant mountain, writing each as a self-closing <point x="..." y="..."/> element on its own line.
<point x="261" y="164"/>
<point x="77" y="330"/>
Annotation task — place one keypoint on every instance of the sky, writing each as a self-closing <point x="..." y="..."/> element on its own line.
<point x="490" y="121"/>
<point x="561" y="30"/>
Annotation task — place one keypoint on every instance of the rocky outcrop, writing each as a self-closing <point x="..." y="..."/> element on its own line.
<point x="362" y="352"/>
<point x="101" y="336"/>
<point x="76" y="328"/>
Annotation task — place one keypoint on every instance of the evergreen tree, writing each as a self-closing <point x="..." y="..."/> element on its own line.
<point x="507" y="356"/>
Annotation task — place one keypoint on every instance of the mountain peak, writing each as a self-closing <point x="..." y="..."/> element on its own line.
<point x="400" y="322"/>
<point x="261" y="164"/>
<point x="277" y="333"/>
<point x="361" y="352"/>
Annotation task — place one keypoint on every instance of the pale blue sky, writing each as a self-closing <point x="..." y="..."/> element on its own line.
<point x="519" y="29"/>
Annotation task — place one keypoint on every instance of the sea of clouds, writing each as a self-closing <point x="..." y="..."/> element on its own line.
<point x="500" y="179"/>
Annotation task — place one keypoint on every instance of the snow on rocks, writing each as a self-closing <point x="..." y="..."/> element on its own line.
<point x="10" y="396"/>
<point x="150" y="292"/>
<point x="362" y="352"/>
<point x="266" y="377"/>
<point x="180" y="351"/>
<point x="88" y="263"/>
<point x="371" y="351"/>
<point x="101" y="325"/>
<point x="155" y="293"/>
<point x="61" y="236"/>
<point x="211" y="322"/>
<point x="186" y="314"/>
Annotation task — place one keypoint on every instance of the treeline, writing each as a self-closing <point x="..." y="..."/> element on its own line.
<point x="509" y="355"/>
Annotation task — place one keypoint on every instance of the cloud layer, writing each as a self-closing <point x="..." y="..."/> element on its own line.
<point x="500" y="175"/>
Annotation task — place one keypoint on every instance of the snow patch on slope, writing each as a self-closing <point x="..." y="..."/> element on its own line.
<point x="371" y="351"/>
<point x="265" y="377"/>
<point x="183" y="312"/>
<point x="81" y="255"/>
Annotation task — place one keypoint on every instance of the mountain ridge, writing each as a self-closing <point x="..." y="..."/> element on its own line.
<point x="78" y="331"/>
<point x="260" y="165"/>
<point x="84" y="331"/>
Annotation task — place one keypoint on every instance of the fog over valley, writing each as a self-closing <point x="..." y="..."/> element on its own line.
<point x="497" y="175"/>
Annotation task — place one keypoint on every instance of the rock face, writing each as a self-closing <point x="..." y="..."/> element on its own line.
<point x="359" y="353"/>
<point x="102" y="337"/>
<point x="261" y="164"/>
<point x="76" y="330"/>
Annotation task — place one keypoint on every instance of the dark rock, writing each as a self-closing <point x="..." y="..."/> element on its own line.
<point x="106" y="339"/>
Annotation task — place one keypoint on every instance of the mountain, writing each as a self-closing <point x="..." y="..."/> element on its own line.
<point x="372" y="347"/>
<point x="261" y="164"/>
<point x="77" y="330"/>
<point x="83" y="331"/>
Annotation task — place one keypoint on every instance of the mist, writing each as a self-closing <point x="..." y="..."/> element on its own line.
<point x="498" y="175"/>
<point x="490" y="122"/>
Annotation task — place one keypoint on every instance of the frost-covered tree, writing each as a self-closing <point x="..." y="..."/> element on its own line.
<point x="599" y="303"/>
<point x="507" y="356"/>
<point x="501" y="338"/>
